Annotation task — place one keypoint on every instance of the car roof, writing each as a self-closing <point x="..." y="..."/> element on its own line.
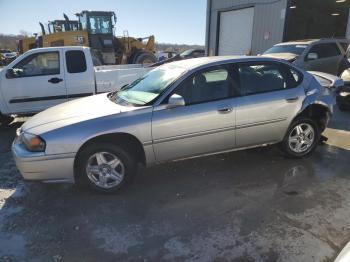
<point x="311" y="41"/>
<point x="58" y="48"/>
<point x="212" y="60"/>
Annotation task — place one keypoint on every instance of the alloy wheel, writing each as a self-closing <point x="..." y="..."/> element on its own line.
<point x="301" y="138"/>
<point x="105" y="170"/>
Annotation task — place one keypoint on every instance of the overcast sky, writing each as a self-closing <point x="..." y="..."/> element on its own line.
<point x="171" y="21"/>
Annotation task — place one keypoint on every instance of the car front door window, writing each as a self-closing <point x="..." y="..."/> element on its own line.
<point x="38" y="65"/>
<point x="210" y="85"/>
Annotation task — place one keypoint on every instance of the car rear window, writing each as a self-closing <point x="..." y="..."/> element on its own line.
<point x="76" y="62"/>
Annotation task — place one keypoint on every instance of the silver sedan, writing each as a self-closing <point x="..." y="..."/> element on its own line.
<point x="179" y="110"/>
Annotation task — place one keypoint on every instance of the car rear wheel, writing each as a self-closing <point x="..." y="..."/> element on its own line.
<point x="105" y="168"/>
<point x="301" y="139"/>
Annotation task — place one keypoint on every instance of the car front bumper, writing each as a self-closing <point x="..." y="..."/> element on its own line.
<point x="46" y="168"/>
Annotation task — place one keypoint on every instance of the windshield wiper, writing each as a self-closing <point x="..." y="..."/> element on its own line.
<point x="112" y="94"/>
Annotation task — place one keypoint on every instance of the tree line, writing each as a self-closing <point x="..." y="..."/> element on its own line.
<point x="10" y="42"/>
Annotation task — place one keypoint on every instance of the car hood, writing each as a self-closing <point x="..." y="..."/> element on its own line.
<point x="74" y="111"/>
<point x="283" y="56"/>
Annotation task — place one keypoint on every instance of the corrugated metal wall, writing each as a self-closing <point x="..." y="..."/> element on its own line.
<point x="268" y="26"/>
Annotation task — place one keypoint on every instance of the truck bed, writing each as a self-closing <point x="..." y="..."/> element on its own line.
<point x="113" y="77"/>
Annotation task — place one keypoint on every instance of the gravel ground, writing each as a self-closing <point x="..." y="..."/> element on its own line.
<point x="250" y="205"/>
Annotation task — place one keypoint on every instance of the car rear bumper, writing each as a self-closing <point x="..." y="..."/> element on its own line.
<point x="46" y="168"/>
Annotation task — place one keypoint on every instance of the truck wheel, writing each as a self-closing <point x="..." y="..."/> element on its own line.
<point x="301" y="138"/>
<point x="105" y="167"/>
<point x="145" y="58"/>
<point x="5" y="120"/>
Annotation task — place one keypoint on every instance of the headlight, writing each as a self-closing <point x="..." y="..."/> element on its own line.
<point x="344" y="93"/>
<point x="33" y="143"/>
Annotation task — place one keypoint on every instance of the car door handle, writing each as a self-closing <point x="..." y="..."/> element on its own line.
<point x="292" y="99"/>
<point x="55" y="80"/>
<point x="225" y="110"/>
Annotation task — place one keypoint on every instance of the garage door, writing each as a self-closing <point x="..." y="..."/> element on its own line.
<point x="235" y="35"/>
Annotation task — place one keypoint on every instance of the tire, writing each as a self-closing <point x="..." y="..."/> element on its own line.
<point x="5" y="120"/>
<point x="102" y="178"/>
<point x="144" y="58"/>
<point x="292" y="139"/>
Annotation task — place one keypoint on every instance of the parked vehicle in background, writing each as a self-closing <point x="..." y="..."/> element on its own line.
<point x="45" y="77"/>
<point x="324" y="55"/>
<point x="190" y="53"/>
<point x="343" y="97"/>
<point x="7" y="58"/>
<point x="3" y="53"/>
<point x="343" y="94"/>
<point x="161" y="56"/>
<point x="178" y="110"/>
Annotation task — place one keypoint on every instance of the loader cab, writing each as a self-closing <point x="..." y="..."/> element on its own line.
<point x="100" y="28"/>
<point x="97" y="22"/>
<point x="62" y="26"/>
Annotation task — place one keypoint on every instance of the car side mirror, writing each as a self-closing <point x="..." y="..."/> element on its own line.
<point x="175" y="101"/>
<point x="10" y="73"/>
<point x="312" y="56"/>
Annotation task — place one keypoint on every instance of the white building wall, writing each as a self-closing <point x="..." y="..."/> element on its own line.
<point x="268" y="24"/>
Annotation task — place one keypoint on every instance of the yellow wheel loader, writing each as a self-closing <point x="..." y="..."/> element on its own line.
<point x="96" y="30"/>
<point x="26" y="44"/>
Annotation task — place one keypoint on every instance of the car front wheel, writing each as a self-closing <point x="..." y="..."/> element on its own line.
<point x="301" y="139"/>
<point x="105" y="167"/>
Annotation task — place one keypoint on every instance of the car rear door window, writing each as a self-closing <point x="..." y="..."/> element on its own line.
<point x="76" y="62"/>
<point x="325" y="50"/>
<point x="266" y="77"/>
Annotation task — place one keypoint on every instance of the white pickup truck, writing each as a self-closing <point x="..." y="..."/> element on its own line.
<point x="44" y="77"/>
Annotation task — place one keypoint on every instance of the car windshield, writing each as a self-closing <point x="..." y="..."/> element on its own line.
<point x="293" y="49"/>
<point x="145" y="89"/>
